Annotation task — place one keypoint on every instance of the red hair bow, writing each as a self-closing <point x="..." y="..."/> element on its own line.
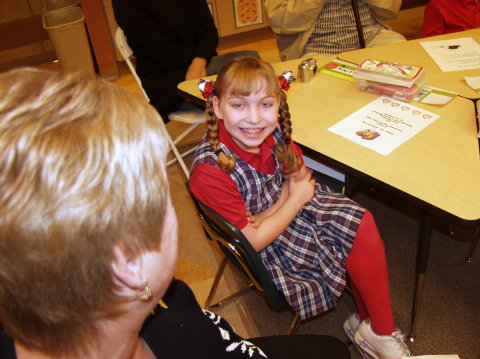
<point x="285" y="80"/>
<point x="206" y="87"/>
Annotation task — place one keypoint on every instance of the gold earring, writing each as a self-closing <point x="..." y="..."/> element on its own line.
<point x="144" y="294"/>
<point x="163" y="304"/>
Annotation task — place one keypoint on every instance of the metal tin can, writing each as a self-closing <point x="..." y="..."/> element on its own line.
<point x="307" y="70"/>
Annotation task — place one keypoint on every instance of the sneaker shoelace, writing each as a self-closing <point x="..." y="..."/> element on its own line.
<point x="400" y="343"/>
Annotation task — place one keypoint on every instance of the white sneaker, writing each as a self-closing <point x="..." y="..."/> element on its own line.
<point x="381" y="346"/>
<point x="350" y="327"/>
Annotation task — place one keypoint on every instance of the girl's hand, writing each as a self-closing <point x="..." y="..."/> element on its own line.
<point x="302" y="172"/>
<point x="254" y="221"/>
<point x="301" y="190"/>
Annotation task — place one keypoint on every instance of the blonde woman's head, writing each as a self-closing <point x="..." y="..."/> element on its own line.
<point x="82" y="171"/>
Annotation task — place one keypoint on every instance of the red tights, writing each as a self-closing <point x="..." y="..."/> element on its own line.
<point x="367" y="269"/>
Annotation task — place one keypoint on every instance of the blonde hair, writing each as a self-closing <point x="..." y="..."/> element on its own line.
<point x="82" y="170"/>
<point x="241" y="77"/>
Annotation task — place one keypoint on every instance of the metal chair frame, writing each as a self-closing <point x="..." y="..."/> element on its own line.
<point x="240" y="253"/>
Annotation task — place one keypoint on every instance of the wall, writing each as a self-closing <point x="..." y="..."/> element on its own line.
<point x="234" y="17"/>
<point x="18" y="20"/>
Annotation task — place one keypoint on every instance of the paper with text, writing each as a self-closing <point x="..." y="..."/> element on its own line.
<point x="384" y="124"/>
<point x="454" y="54"/>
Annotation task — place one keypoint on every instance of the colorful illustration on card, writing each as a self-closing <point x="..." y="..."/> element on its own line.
<point x="367" y="134"/>
<point x="394" y="69"/>
<point x="247" y="12"/>
<point x="384" y="124"/>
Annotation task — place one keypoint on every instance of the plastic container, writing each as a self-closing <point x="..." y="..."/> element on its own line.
<point x="51" y="5"/>
<point x="66" y="29"/>
<point x="398" y="92"/>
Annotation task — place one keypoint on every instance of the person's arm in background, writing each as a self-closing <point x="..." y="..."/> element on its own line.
<point x="385" y="9"/>
<point x="288" y="17"/>
<point x="433" y="22"/>
<point x="140" y="22"/>
<point x="207" y="41"/>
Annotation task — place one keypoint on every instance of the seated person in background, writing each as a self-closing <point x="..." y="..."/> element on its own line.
<point x="88" y="233"/>
<point x="447" y="16"/>
<point x="306" y="27"/>
<point x="173" y="41"/>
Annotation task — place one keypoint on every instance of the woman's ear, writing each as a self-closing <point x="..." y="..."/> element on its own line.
<point x="127" y="271"/>
<point x="216" y="107"/>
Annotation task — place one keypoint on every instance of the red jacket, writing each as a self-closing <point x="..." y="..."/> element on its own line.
<point x="447" y="16"/>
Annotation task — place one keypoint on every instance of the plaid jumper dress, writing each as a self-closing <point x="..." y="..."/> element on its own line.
<point x="307" y="261"/>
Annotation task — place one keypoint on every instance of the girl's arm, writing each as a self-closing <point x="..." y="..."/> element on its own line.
<point x="272" y="209"/>
<point x="298" y="175"/>
<point x="300" y="191"/>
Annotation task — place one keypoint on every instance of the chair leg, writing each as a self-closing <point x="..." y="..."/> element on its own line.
<point x="185" y="133"/>
<point x="294" y="325"/>
<point x="178" y="158"/>
<point x="232" y="296"/>
<point x="183" y="154"/>
<point x="216" y="281"/>
<point x="178" y="155"/>
<point x="214" y="288"/>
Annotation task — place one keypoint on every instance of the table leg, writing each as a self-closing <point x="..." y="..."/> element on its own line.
<point x="473" y="245"/>
<point x="425" y="234"/>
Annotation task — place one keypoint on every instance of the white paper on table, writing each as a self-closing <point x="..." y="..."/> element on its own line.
<point x="473" y="82"/>
<point x="384" y="124"/>
<point x="434" y="95"/>
<point x="454" y="54"/>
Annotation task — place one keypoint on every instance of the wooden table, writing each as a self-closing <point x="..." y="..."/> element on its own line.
<point x="438" y="169"/>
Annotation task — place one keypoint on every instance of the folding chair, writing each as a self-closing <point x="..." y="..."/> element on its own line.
<point x="192" y="117"/>
<point x="239" y="252"/>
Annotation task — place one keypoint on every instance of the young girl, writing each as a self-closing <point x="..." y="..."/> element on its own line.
<point x="249" y="170"/>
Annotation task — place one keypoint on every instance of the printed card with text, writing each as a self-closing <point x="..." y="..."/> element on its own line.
<point x="384" y="124"/>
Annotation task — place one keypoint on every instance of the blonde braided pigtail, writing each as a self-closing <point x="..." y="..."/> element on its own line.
<point x="225" y="162"/>
<point x="291" y="161"/>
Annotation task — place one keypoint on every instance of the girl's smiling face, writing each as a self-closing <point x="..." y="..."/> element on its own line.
<point x="248" y="119"/>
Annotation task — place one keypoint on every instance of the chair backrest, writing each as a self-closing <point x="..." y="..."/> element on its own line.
<point x="238" y="250"/>
<point x="127" y="53"/>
